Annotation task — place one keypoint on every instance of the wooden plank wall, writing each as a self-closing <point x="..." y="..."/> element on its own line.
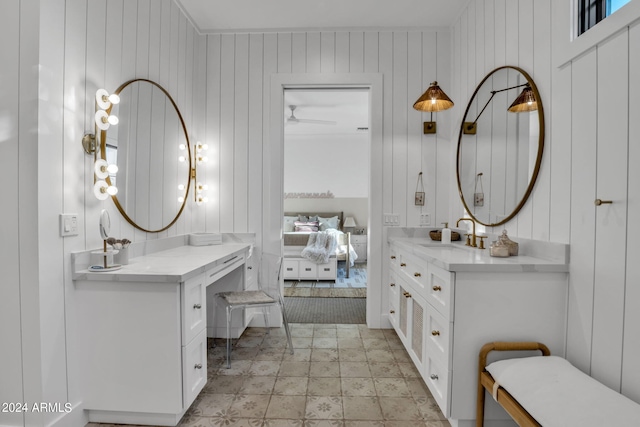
<point x="590" y="145"/>
<point x="239" y="67"/>
<point x="84" y="46"/>
<point x="19" y="317"/>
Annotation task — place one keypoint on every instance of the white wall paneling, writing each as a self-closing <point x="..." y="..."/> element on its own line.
<point x="631" y="343"/>
<point x="50" y="74"/>
<point x="588" y="146"/>
<point x="611" y="222"/>
<point x="10" y="315"/>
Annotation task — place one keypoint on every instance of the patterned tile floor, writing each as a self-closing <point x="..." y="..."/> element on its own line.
<point x="340" y="375"/>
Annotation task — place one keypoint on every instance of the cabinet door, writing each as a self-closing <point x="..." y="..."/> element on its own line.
<point x="417" y="330"/>
<point x="307" y="270"/>
<point x="194" y="368"/>
<point x="290" y="268"/>
<point x="393" y="299"/>
<point x="327" y="271"/>
<point x="194" y="297"/>
<point x="403" y="313"/>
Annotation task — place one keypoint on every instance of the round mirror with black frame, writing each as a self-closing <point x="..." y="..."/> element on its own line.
<point x="500" y="146"/>
<point x="151" y="148"/>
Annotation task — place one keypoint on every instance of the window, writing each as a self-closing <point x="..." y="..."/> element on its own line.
<point x="590" y="12"/>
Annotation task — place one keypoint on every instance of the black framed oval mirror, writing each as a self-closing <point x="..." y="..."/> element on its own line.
<point x="146" y="145"/>
<point x="500" y="146"/>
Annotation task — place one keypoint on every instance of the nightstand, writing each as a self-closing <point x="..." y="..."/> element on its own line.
<point x="359" y="243"/>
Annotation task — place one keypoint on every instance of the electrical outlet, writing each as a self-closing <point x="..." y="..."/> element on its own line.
<point x="68" y="225"/>
<point x="391" y="219"/>
<point x="425" y="219"/>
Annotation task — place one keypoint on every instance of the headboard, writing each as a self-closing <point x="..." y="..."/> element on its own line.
<point x="340" y="216"/>
<point x="300" y="239"/>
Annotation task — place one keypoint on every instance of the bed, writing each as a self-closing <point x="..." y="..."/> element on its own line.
<point x="303" y="230"/>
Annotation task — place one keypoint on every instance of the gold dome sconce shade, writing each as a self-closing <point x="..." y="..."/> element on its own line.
<point x="526" y="101"/>
<point x="432" y="100"/>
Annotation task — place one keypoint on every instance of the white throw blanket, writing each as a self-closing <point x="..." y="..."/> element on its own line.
<point x="321" y="246"/>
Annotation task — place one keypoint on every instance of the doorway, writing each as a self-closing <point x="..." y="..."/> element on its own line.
<point x="326" y="185"/>
<point x="273" y="170"/>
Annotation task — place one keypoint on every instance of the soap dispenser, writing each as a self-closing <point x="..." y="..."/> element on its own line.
<point x="446" y="234"/>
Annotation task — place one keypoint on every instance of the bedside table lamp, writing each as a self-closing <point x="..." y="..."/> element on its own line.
<point x="349" y="224"/>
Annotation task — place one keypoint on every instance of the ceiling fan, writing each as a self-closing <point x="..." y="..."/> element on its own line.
<point x="293" y="120"/>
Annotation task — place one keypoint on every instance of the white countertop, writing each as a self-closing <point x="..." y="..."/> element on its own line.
<point x="171" y="265"/>
<point x="458" y="257"/>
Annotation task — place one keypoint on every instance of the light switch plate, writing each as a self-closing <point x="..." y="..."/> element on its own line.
<point x="425" y="219"/>
<point x="68" y="225"/>
<point x="391" y="219"/>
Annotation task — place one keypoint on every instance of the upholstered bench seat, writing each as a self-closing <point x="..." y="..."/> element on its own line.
<point x="557" y="394"/>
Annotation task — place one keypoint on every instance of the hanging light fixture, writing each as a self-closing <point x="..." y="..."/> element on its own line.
<point x="103" y="119"/>
<point x="526" y="101"/>
<point x="433" y="100"/>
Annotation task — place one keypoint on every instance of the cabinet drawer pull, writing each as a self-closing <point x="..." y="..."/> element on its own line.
<point x="249" y="268"/>
<point x="307" y="269"/>
<point x="392" y="284"/>
<point x="393" y="257"/>
<point x="197" y="306"/>
<point x="435" y="333"/>
<point x="289" y="268"/>
<point x="402" y="264"/>
<point x="417" y="275"/>
<point x="433" y="377"/>
<point x="407" y="295"/>
<point x="437" y="288"/>
<point x="392" y="311"/>
<point x="198" y="366"/>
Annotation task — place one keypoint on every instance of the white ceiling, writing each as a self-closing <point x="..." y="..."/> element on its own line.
<point x="348" y="108"/>
<point x="216" y="16"/>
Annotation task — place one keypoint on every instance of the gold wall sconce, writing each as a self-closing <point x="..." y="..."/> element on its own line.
<point x="432" y="100"/>
<point x="525" y="102"/>
<point x="103" y="119"/>
<point x="199" y="154"/>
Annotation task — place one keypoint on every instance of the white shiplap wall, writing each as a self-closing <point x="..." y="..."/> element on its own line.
<point x="19" y="295"/>
<point x="48" y="77"/>
<point x="590" y="147"/>
<point x="239" y="127"/>
<point x="239" y="68"/>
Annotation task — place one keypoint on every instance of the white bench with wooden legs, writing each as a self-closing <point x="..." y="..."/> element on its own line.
<point x="548" y="391"/>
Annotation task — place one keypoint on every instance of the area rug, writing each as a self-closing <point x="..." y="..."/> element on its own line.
<point x="353" y="287"/>
<point x="326" y="310"/>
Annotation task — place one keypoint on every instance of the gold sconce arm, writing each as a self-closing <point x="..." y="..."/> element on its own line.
<point x="524" y="102"/>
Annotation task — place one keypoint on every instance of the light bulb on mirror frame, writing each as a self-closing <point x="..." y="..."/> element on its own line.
<point x="104" y="120"/>
<point x="102" y="190"/>
<point x="105" y="100"/>
<point x="102" y="169"/>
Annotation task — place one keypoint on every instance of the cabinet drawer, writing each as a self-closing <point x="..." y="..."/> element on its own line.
<point x="194" y="368"/>
<point x="439" y="289"/>
<point x="327" y="271"/>
<point x="290" y="268"/>
<point x="416" y="271"/>
<point x="438" y="337"/>
<point x="438" y="379"/>
<point x="307" y="270"/>
<point x="194" y="297"/>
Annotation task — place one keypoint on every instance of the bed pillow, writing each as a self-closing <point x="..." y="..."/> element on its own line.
<point x="288" y="225"/>
<point x="309" y="226"/>
<point x="329" y="223"/>
<point x="304" y="218"/>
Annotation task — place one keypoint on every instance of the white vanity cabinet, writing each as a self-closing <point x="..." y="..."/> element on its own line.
<point x="142" y="338"/>
<point x="444" y="317"/>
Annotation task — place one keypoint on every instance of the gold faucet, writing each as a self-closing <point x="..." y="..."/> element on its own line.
<point x="473" y="235"/>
